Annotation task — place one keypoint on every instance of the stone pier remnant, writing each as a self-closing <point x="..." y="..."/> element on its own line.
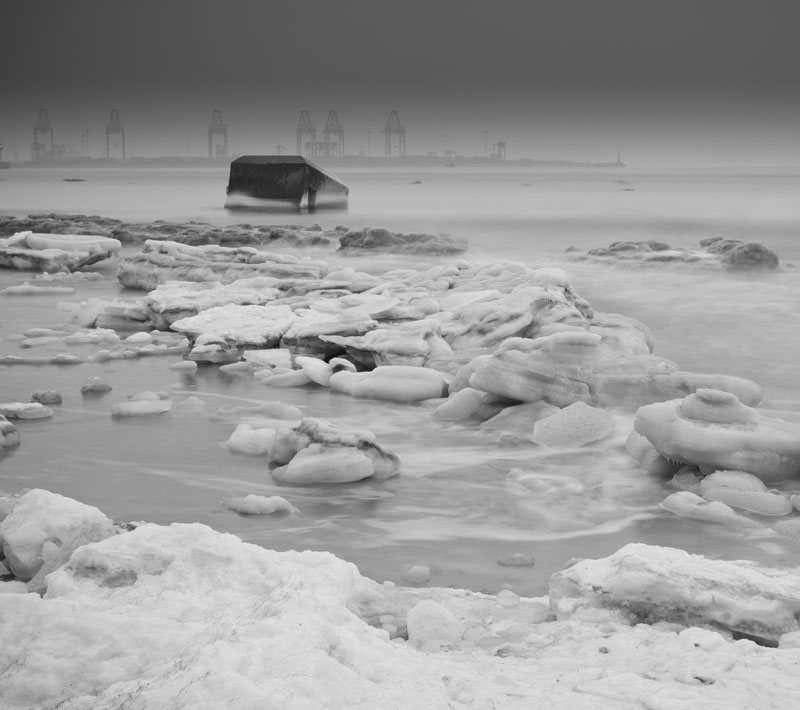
<point x="270" y="181"/>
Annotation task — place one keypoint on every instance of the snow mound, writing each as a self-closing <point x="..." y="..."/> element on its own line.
<point x="185" y="617"/>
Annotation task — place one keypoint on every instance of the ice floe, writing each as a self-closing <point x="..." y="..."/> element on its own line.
<point x="317" y="451"/>
<point x="253" y="504"/>
<point x="250" y="439"/>
<point x="25" y="410"/>
<point x="715" y="431"/>
<point x="30" y="251"/>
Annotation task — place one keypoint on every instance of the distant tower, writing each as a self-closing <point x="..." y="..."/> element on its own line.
<point x="217" y="128"/>
<point x="334" y="148"/>
<point x="305" y="129"/>
<point x="394" y="128"/>
<point x="499" y="150"/>
<point x="41" y="126"/>
<point x="280" y="149"/>
<point x="114" y="127"/>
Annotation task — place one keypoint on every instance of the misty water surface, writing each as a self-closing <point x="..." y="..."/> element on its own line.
<point x="462" y="499"/>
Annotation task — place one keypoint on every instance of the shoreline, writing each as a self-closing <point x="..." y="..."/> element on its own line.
<point x="184" y="616"/>
<point x="347" y="161"/>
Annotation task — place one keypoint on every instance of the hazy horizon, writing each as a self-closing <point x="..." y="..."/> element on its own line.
<point x="684" y="83"/>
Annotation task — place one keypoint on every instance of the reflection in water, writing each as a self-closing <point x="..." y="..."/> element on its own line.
<point x="462" y="499"/>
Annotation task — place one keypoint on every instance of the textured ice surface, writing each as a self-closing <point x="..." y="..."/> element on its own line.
<point x="400" y="383"/>
<point x="714" y="430"/>
<point x="186" y="617"/>
<point x="253" y="504"/>
<point x="664" y="584"/>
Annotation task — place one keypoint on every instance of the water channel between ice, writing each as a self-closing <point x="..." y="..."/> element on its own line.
<point x="463" y="499"/>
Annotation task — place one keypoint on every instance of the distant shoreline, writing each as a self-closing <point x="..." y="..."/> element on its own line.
<point x="333" y="163"/>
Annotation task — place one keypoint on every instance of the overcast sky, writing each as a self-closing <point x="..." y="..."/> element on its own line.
<point x="704" y="81"/>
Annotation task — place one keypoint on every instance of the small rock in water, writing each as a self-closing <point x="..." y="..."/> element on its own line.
<point x="184" y="366"/>
<point x="46" y="397"/>
<point x="95" y="385"/>
<point x="316" y="451"/>
<point x="761" y="502"/>
<point x="686" y="504"/>
<point x="247" y="439"/>
<point x="9" y="436"/>
<point x="378" y="239"/>
<point x="25" y="410"/>
<point x="319" y="463"/>
<point x="516" y="559"/>
<point x="140" y="407"/>
<point x="259" y="505"/>
<point x="735" y="480"/>
<point x="750" y="256"/>
<point x="417" y="574"/>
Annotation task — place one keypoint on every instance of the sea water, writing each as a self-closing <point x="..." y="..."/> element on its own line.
<point x="463" y="499"/>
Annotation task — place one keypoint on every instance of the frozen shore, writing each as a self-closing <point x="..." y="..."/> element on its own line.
<point x="182" y="616"/>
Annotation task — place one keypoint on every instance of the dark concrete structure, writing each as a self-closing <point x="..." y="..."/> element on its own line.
<point x="274" y="181"/>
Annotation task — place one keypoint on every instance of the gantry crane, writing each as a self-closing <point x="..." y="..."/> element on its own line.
<point x="217" y="128"/>
<point x="334" y="130"/>
<point x="114" y="127"/>
<point x="395" y="128"/>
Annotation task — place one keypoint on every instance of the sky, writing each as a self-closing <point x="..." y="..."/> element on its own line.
<point x="661" y="81"/>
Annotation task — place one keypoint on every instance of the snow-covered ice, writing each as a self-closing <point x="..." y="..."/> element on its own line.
<point x="253" y="504"/>
<point x="186" y="617"/>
